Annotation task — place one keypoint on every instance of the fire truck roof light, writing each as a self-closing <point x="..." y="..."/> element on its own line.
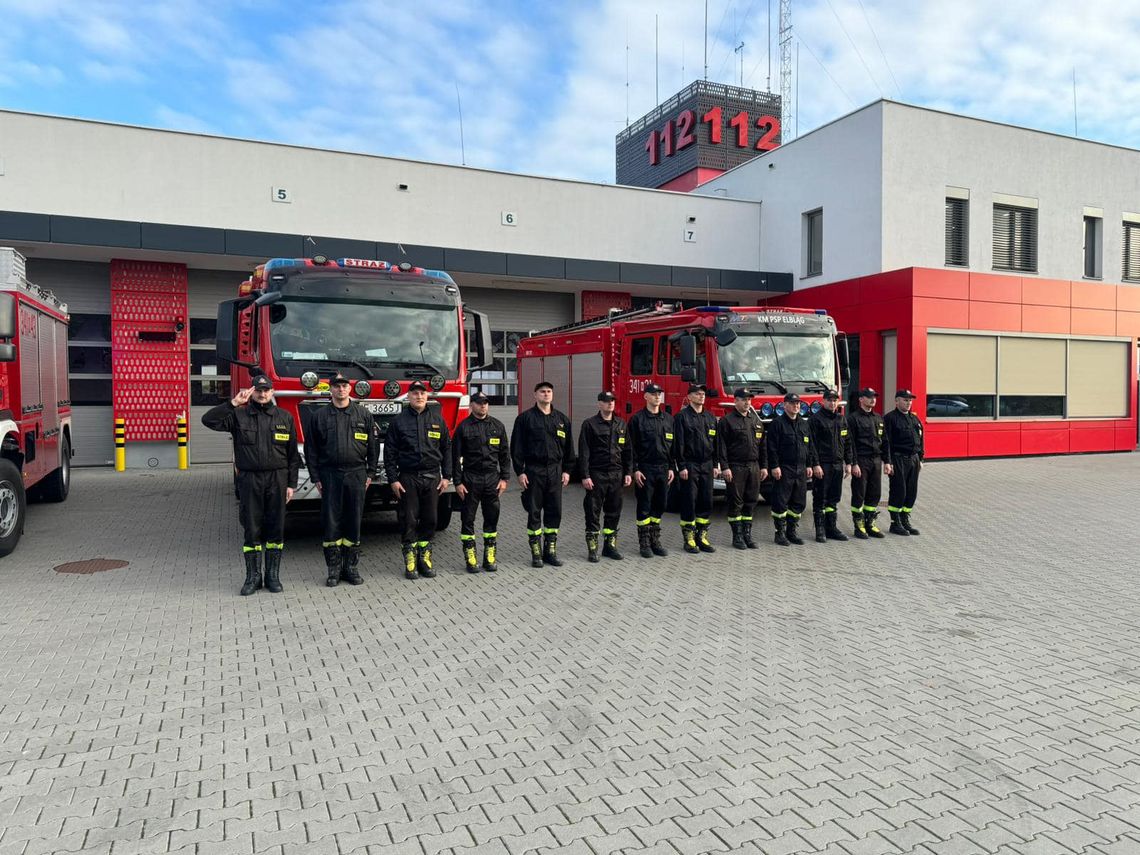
<point x="821" y="311"/>
<point x="712" y="308"/>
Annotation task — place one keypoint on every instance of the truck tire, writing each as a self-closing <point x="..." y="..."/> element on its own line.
<point x="443" y="512"/>
<point x="56" y="486"/>
<point x="13" y="506"/>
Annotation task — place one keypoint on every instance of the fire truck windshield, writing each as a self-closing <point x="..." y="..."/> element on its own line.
<point x="378" y="335"/>
<point x="756" y="358"/>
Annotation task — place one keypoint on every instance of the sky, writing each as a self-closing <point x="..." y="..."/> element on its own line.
<point x="544" y="85"/>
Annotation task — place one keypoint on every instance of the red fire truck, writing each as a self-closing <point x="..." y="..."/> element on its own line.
<point x="35" y="401"/>
<point x="300" y="320"/>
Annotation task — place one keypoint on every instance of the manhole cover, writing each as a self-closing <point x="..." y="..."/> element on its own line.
<point x="91" y="565"/>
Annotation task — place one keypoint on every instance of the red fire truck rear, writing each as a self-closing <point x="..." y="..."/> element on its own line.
<point x="300" y="320"/>
<point x="35" y="401"/>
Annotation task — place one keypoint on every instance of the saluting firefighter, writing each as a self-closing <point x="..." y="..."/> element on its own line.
<point x="481" y="463"/>
<point x="903" y="451"/>
<point x="542" y="451"/>
<point x="417" y="461"/>
<point x="697" y="466"/>
<point x="342" y="450"/>
<point x="790" y="456"/>
<point x="267" y="464"/>
<point x="605" y="455"/>
<point x="651" y="436"/>
<point x="865" y="431"/>
<point x="830" y="438"/>
<point x="744" y="456"/>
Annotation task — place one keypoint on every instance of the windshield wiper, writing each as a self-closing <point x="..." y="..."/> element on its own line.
<point x="816" y="384"/>
<point x="355" y="362"/>
<point x="749" y="384"/>
<point x="406" y="363"/>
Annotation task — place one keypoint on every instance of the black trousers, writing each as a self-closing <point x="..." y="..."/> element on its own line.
<point x="904" y="483"/>
<point x="542" y="499"/>
<point x="742" y="491"/>
<point x="695" y="494"/>
<point x="652" y="497"/>
<point x="604" y="500"/>
<point x="827" y="492"/>
<point x="261" y="507"/>
<point x="342" y="505"/>
<point x="790" y="496"/>
<point x="417" y="510"/>
<point x="867" y="490"/>
<point x="482" y="492"/>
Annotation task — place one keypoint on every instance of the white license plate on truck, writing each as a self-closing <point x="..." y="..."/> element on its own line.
<point x="383" y="408"/>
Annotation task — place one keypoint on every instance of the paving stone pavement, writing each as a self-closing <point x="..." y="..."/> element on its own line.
<point x="972" y="690"/>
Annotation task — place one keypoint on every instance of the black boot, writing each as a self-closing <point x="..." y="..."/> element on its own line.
<point x="655" y="540"/>
<point x="609" y="547"/>
<point x="904" y="520"/>
<point x="689" y="538"/>
<point x="703" y="542"/>
<point x="470" y="556"/>
<point x="790" y="530"/>
<point x="781" y="538"/>
<point x="349" y="559"/>
<point x="490" y="563"/>
<point x="332" y="565"/>
<point x="423" y="561"/>
<point x="535" y="550"/>
<point x="831" y="526"/>
<point x="872" y="527"/>
<point x="859" y="519"/>
<point x="409" y="562"/>
<point x="897" y="526"/>
<point x="737" y="534"/>
<point x="550" y="550"/>
<point x="746" y="533"/>
<point x="592" y="547"/>
<point x="273" y="571"/>
<point x="820" y="532"/>
<point x="252" y="573"/>
<point x="643" y="540"/>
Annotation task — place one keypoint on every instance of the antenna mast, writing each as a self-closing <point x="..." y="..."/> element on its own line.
<point x="786" y="106"/>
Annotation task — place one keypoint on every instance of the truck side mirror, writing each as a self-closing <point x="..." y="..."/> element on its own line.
<point x="725" y="336"/>
<point x="689" y="374"/>
<point x="226" y="339"/>
<point x="7" y="353"/>
<point x="7" y="316"/>
<point x="484" y="357"/>
<point x="688" y="346"/>
<point x="844" y="360"/>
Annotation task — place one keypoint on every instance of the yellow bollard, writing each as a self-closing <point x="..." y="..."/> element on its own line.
<point x="120" y="445"/>
<point x="183" y="450"/>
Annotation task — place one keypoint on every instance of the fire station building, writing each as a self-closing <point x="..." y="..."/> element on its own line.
<point x="992" y="269"/>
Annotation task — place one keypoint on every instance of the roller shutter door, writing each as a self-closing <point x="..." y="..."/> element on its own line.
<point x="521" y="311"/>
<point x="92" y="436"/>
<point x="208" y="446"/>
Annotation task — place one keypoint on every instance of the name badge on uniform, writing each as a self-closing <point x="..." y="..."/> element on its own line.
<point x="668" y="436"/>
<point x="621" y="440"/>
<point x="759" y="434"/>
<point x="880" y="430"/>
<point x="807" y="439"/>
<point x="363" y="437"/>
<point x="712" y="431"/>
<point x="433" y="434"/>
<point x="843" y="432"/>
<point x="562" y="434"/>
<point x="494" y="440"/>
<point x="281" y="437"/>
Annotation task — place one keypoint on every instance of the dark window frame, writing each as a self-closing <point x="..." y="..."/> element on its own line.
<point x="957" y="232"/>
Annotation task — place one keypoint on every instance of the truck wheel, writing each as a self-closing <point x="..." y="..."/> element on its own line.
<point x="56" y="486"/>
<point x="443" y="512"/>
<point x="13" y="506"/>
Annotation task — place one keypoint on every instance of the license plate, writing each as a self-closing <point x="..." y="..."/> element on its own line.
<point x="383" y="408"/>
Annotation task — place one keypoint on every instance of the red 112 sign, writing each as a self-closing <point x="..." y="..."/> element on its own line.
<point x="678" y="133"/>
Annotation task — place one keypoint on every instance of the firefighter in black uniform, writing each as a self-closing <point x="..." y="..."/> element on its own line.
<point x="481" y="463"/>
<point x="697" y="467"/>
<point x="903" y="452"/>
<point x="744" y="456"/>
<point x="830" y="437"/>
<point x="865" y="430"/>
<point x="651" y="437"/>
<point x="342" y="450"/>
<point x="542" y="451"/>
<point x="417" y="461"/>
<point x="267" y="464"/>
<point x="790" y="456"/>
<point x="605" y="455"/>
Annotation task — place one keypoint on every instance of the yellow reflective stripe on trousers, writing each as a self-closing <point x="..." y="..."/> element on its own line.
<point x="251" y="548"/>
<point x="487" y="534"/>
<point x="644" y="522"/>
<point x="906" y="510"/>
<point x="609" y="531"/>
<point x="276" y="546"/>
<point x="893" y="509"/>
<point x="550" y="531"/>
<point x="534" y="532"/>
<point x="702" y="521"/>
<point x="468" y="536"/>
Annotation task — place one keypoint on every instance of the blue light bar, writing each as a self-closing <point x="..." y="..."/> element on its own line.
<point x="712" y="309"/>
<point x="274" y="263"/>
<point x="439" y="274"/>
<point x="821" y="311"/>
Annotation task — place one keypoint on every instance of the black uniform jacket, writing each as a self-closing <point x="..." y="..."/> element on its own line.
<point x="480" y="447"/>
<point x="830" y="437"/>
<point x="740" y="439"/>
<point x="865" y="431"/>
<point x="902" y="435"/>
<point x="542" y="440"/>
<point x="652" y="437"/>
<point x="696" y="438"/>
<point x="603" y="446"/>
<point x="789" y="444"/>
<point x="341" y="438"/>
<point x="265" y="438"/>
<point x="417" y="442"/>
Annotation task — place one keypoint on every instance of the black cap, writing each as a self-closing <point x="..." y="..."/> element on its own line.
<point x="544" y="384"/>
<point x="607" y="396"/>
<point x="652" y="388"/>
<point x="697" y="387"/>
<point x="791" y="398"/>
<point x="905" y="393"/>
<point x="742" y="393"/>
<point x="417" y="386"/>
<point x="831" y="395"/>
<point x="339" y="378"/>
<point x="260" y="381"/>
<point x="479" y="398"/>
<point x="868" y="393"/>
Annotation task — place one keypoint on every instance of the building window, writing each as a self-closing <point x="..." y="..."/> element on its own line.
<point x="89" y="359"/>
<point x="1015" y="238"/>
<point x="209" y="378"/>
<point x="1131" y="266"/>
<point x="1094" y="231"/>
<point x="500" y="381"/>
<point x="957" y="232"/>
<point x="1098" y="379"/>
<point x="813" y="243"/>
<point x="641" y="357"/>
<point x="961" y="376"/>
